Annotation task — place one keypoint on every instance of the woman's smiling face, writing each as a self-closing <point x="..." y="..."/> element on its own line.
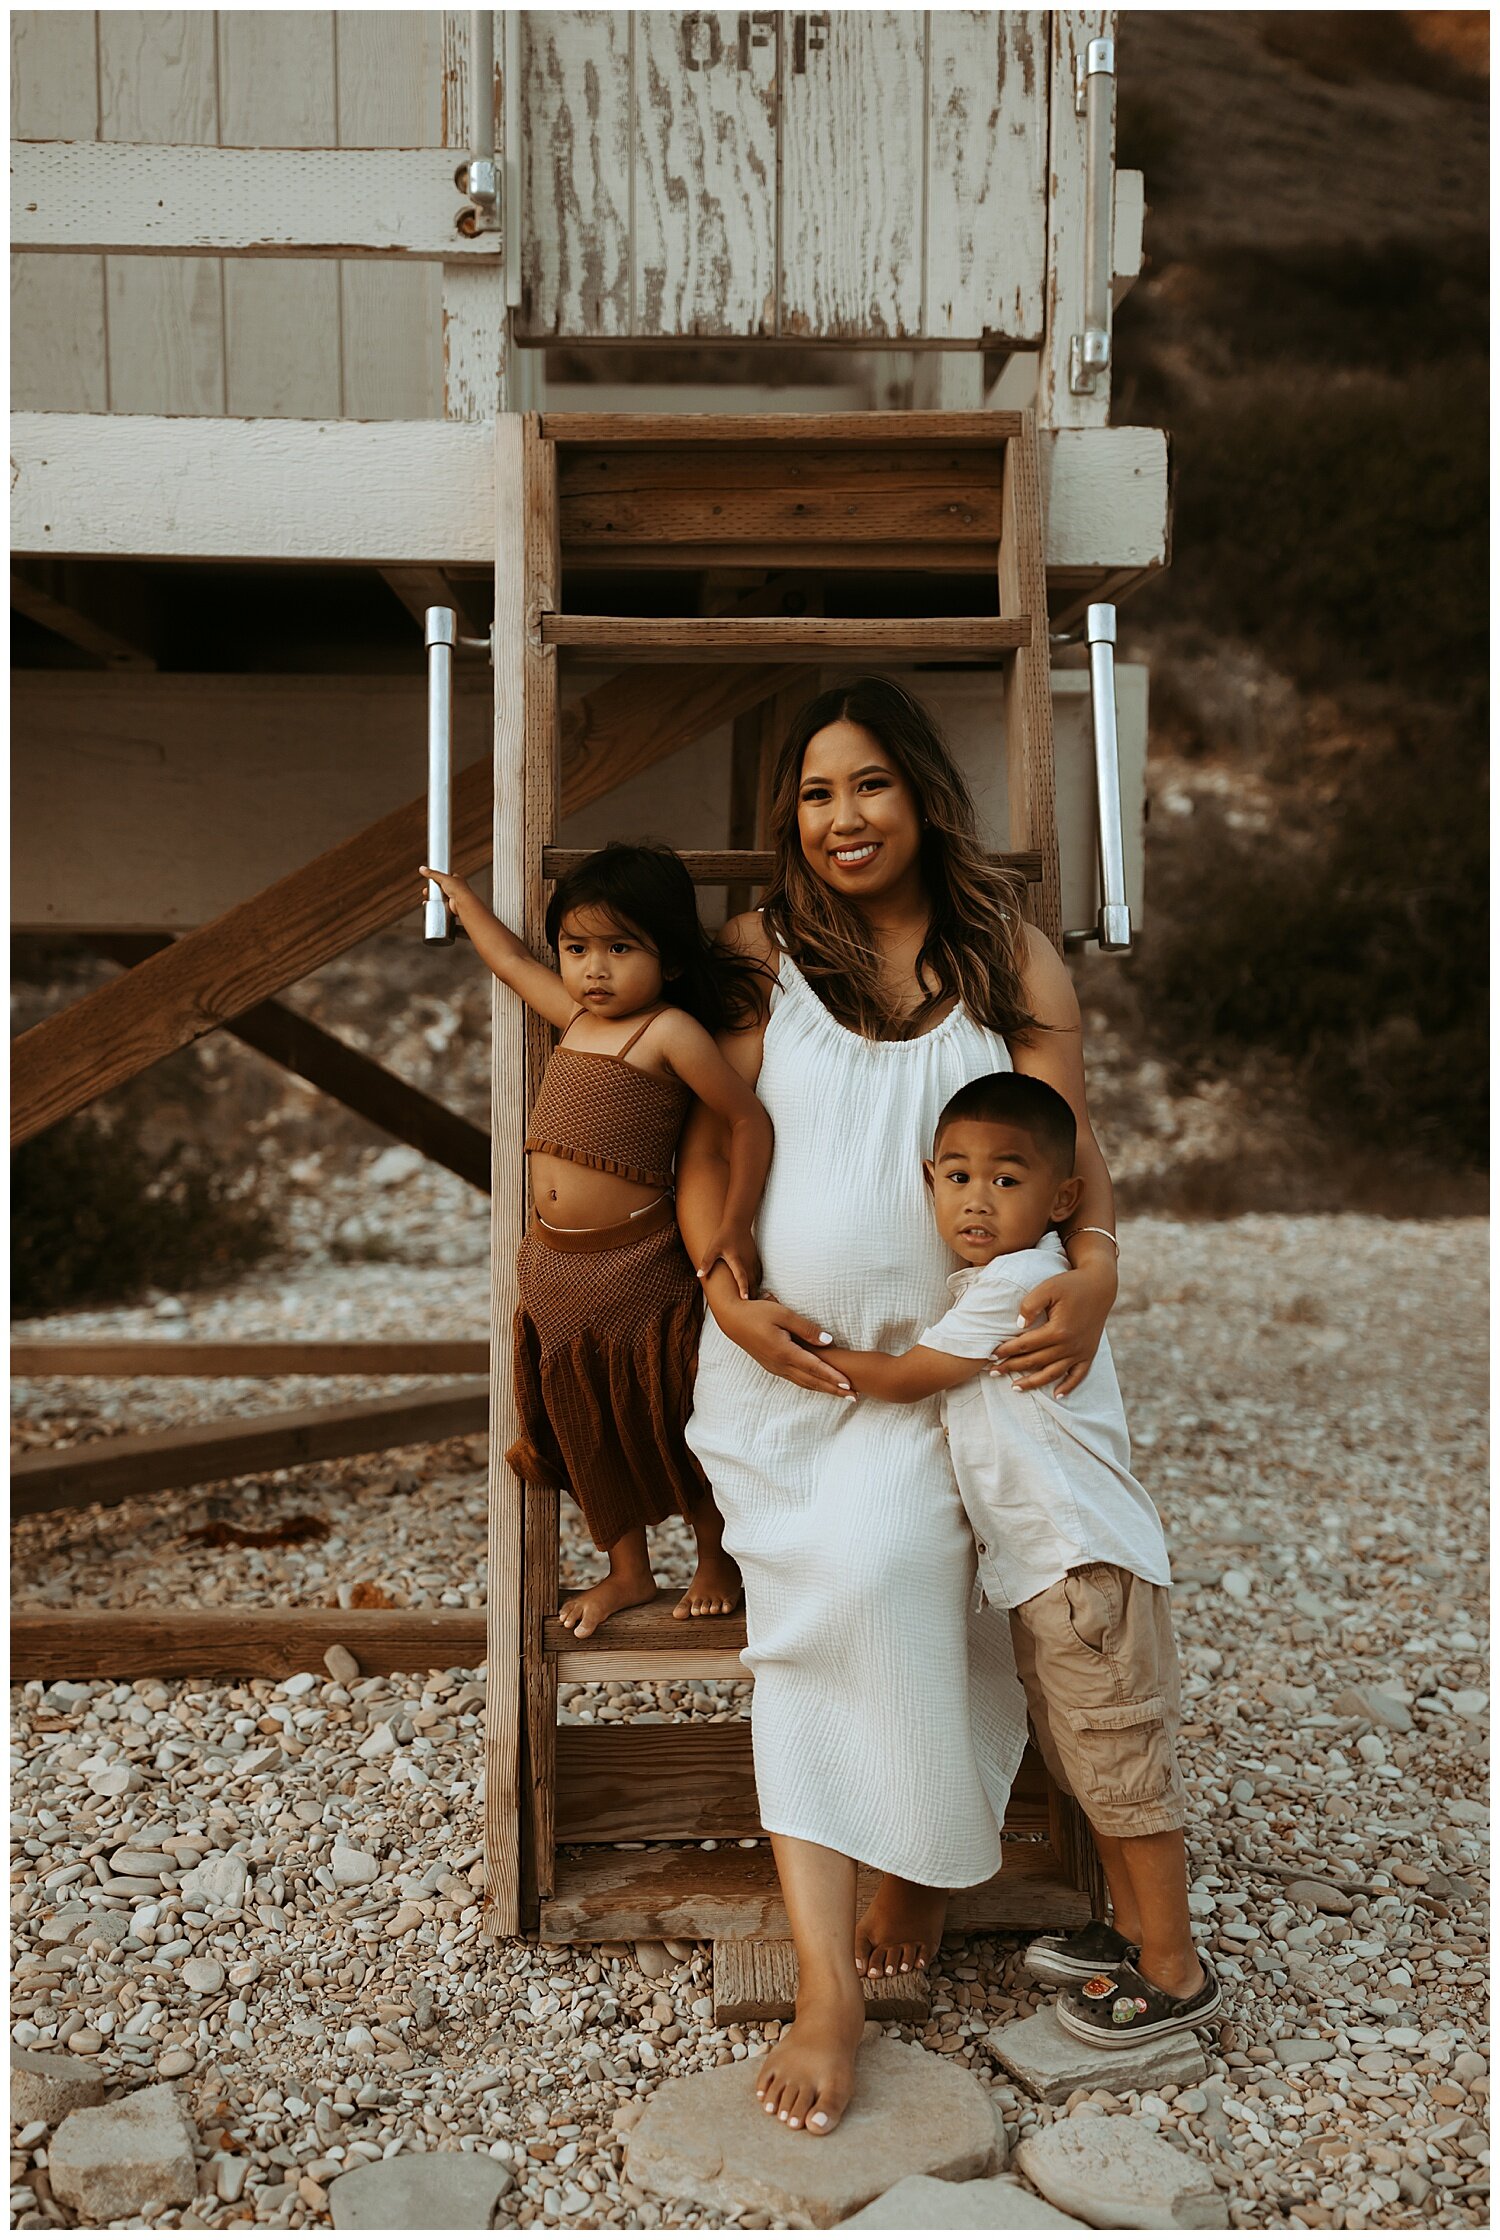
<point x="857" y="816"/>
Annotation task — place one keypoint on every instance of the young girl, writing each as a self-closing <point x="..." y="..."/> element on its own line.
<point x="606" y="1334"/>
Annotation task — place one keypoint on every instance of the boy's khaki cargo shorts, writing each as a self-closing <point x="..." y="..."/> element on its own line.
<point x="1097" y="1660"/>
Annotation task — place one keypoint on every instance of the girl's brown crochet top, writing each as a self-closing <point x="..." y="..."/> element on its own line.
<point x="604" y="1113"/>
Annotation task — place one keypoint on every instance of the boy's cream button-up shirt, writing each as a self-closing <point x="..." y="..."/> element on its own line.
<point x="1046" y="1483"/>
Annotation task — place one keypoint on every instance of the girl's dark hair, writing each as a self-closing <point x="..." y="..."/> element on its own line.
<point x="975" y="940"/>
<point x="646" y="889"/>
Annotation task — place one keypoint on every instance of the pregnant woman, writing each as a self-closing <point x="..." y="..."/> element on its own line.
<point x="888" y="1721"/>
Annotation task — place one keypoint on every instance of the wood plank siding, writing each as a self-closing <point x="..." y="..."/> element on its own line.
<point x="273" y="336"/>
<point x="861" y="176"/>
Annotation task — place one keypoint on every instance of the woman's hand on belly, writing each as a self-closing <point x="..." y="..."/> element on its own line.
<point x="570" y="1196"/>
<point x="779" y="1338"/>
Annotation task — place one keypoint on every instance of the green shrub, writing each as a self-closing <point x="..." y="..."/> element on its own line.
<point x="1357" y="946"/>
<point x="96" y="1219"/>
<point x="1341" y="523"/>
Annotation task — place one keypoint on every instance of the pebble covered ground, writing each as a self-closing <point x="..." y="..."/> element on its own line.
<point x="1307" y="1402"/>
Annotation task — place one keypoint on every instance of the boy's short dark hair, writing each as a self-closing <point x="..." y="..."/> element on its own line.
<point x="1016" y="1100"/>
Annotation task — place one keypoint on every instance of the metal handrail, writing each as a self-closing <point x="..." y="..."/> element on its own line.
<point x="1089" y="353"/>
<point x="442" y="636"/>
<point x="482" y="179"/>
<point x="1114" y="906"/>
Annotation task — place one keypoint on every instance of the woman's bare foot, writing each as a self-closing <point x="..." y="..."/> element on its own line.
<point x="808" y="2075"/>
<point x="901" y="1928"/>
<point x="716" y="1587"/>
<point x="629" y="1581"/>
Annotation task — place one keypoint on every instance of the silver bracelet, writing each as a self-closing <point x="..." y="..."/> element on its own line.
<point x="1092" y="1229"/>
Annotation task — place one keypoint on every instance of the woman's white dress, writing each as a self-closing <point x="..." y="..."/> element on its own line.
<point x="887" y="1718"/>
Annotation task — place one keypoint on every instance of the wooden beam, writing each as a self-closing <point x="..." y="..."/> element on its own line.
<point x="687" y="1663"/>
<point x="383" y="493"/>
<point x="1031" y="784"/>
<point x="421" y="588"/>
<point x="787" y="638"/>
<point x="220" y="970"/>
<point x="92" y="198"/>
<point x="363" y="1086"/>
<point x="178" y="1644"/>
<point x="796" y="429"/>
<point x="1105" y="497"/>
<point x="523" y="543"/>
<point x="355" y="1081"/>
<point x="250" y="1357"/>
<point x="105" y="1471"/>
<point x="403" y="494"/>
<point x="47" y="604"/>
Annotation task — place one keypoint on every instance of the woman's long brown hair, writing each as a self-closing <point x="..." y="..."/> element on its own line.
<point x="973" y="948"/>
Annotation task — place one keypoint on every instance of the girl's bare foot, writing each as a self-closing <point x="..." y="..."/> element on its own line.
<point x="807" y="2077"/>
<point x="716" y="1587"/>
<point x="901" y="1928"/>
<point x="629" y="1581"/>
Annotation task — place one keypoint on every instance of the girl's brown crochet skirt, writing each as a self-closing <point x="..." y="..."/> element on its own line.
<point x="606" y="1343"/>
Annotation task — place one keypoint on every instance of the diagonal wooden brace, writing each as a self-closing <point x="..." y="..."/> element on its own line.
<point x="353" y="1080"/>
<point x="365" y="883"/>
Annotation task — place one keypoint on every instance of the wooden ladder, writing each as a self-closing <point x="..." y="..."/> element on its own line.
<point x="931" y="495"/>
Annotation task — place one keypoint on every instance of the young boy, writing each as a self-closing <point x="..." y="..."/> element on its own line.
<point x="1069" y="1542"/>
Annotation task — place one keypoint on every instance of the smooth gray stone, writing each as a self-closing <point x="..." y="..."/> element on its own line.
<point x="108" y="2162"/>
<point x="1117" y="2173"/>
<point x="45" y="2087"/>
<point x="1041" y="2056"/>
<point x="983" y="2205"/>
<point x="706" y="2138"/>
<point x="420" y="2193"/>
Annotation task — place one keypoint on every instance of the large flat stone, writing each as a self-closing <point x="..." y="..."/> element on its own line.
<point x="420" y="2193"/>
<point x="706" y="2138"/>
<point x="1116" y="2172"/>
<point x="109" y="2162"/>
<point x="1041" y="2056"/>
<point x="45" y="2087"/>
<point x="983" y="2205"/>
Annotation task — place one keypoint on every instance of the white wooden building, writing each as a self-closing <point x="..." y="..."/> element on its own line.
<point x="283" y="378"/>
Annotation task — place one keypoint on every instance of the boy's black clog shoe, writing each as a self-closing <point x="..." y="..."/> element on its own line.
<point x="1073" y="1955"/>
<point x="1118" y="2007"/>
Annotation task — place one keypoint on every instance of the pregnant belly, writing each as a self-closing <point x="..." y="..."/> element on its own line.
<point x="873" y="1274"/>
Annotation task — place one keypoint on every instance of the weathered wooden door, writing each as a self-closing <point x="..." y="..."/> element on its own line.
<point x="873" y="175"/>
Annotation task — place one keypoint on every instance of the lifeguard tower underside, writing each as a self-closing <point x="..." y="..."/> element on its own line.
<point x="690" y="361"/>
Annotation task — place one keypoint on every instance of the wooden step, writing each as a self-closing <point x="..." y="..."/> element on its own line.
<point x="651" y="1626"/>
<point x="604" y="1895"/>
<point x="799" y="429"/>
<point x="711" y="867"/>
<point x="755" y="1980"/>
<point x="694" y="1779"/>
<point x="778" y="638"/>
<point x="845" y="507"/>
